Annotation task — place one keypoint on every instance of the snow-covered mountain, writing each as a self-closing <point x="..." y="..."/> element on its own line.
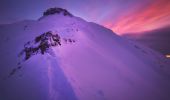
<point x="63" y="57"/>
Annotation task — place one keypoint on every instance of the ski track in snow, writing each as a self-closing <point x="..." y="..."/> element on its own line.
<point x="51" y="90"/>
<point x="59" y="87"/>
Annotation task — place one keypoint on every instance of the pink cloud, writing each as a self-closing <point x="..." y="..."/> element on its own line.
<point x="154" y="15"/>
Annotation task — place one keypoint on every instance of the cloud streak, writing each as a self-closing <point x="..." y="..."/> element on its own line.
<point x="151" y="16"/>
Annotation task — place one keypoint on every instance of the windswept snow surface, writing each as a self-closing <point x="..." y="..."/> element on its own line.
<point x="99" y="66"/>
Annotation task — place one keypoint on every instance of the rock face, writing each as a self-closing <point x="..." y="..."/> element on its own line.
<point x="42" y="44"/>
<point x="44" y="41"/>
<point x="55" y="10"/>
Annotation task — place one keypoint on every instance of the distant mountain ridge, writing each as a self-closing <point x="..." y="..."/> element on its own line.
<point x="157" y="39"/>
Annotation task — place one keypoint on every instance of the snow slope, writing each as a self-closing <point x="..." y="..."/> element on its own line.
<point x="99" y="66"/>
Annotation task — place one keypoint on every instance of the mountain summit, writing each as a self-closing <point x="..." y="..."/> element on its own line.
<point x="67" y="58"/>
<point x="56" y="10"/>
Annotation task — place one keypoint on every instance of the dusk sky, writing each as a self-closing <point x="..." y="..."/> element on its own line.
<point x="122" y="16"/>
<point x="84" y="49"/>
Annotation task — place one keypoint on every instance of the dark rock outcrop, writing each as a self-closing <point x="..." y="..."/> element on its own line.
<point x="55" y="10"/>
<point x="41" y="44"/>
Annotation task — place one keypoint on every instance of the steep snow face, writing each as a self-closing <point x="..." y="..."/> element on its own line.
<point x="98" y="65"/>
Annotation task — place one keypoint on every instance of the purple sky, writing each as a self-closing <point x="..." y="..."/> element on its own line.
<point x="122" y="16"/>
<point x="91" y="10"/>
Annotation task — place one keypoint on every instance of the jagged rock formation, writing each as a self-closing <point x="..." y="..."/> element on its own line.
<point x="40" y="45"/>
<point x="44" y="41"/>
<point x="55" y="10"/>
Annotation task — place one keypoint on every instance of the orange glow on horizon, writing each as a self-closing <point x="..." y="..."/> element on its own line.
<point x="168" y="56"/>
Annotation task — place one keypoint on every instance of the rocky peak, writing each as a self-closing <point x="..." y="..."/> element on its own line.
<point x="56" y="10"/>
